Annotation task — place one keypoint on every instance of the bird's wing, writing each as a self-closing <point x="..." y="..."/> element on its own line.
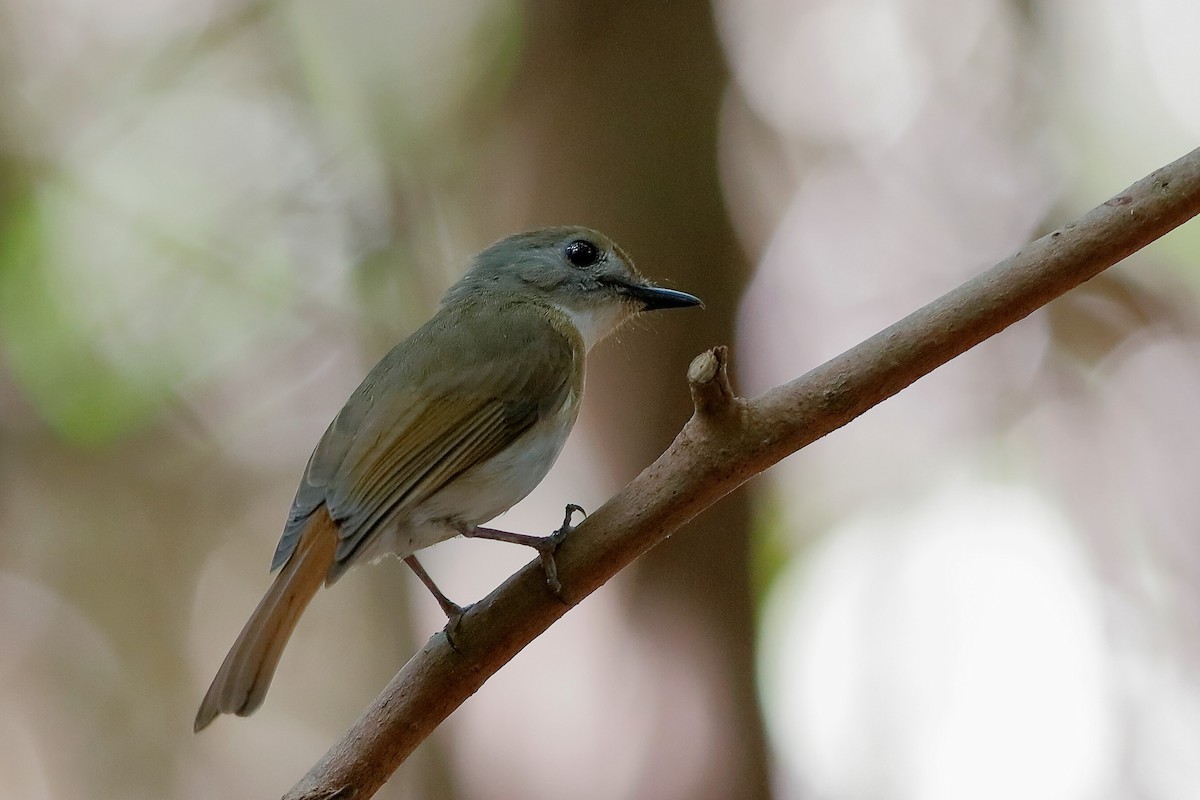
<point x="392" y="446"/>
<point x="449" y="436"/>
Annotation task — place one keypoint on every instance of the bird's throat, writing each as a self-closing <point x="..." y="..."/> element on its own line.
<point x="596" y="322"/>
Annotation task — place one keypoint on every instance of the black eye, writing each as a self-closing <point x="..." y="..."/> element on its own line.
<point x="582" y="253"/>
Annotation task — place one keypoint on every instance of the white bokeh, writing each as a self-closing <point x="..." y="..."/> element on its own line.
<point x="955" y="650"/>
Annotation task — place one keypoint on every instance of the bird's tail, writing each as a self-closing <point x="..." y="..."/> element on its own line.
<point x="242" y="682"/>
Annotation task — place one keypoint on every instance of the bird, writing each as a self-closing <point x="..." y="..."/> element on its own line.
<point x="454" y="426"/>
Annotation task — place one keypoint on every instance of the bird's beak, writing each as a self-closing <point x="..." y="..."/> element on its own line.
<point x="653" y="298"/>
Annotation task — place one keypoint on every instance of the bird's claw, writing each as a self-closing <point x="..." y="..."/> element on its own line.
<point x="550" y="546"/>
<point x="560" y="534"/>
<point x="453" y="618"/>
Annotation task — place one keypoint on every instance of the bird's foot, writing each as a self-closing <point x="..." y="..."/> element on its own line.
<point x="549" y="546"/>
<point x="546" y="546"/>
<point x="452" y="610"/>
<point x="451" y="629"/>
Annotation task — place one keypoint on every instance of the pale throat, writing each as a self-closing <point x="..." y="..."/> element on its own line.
<point x="596" y="322"/>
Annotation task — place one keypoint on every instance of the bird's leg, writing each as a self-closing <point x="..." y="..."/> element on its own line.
<point x="545" y="545"/>
<point x="451" y="609"/>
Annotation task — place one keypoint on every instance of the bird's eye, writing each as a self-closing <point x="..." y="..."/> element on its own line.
<point x="582" y="253"/>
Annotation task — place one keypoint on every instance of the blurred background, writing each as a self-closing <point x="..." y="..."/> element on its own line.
<point x="215" y="216"/>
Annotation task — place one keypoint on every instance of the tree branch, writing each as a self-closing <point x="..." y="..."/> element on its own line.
<point x="727" y="441"/>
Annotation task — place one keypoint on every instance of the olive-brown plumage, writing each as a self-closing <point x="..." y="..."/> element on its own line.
<point x="451" y="428"/>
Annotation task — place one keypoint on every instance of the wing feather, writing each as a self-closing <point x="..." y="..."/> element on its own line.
<point x="438" y="404"/>
<point x="459" y="442"/>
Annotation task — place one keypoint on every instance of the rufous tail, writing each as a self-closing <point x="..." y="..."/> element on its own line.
<point x="243" y="679"/>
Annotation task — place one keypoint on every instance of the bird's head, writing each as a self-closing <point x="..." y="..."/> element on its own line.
<point x="579" y="271"/>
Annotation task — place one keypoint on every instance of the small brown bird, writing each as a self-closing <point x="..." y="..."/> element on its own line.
<point x="453" y="427"/>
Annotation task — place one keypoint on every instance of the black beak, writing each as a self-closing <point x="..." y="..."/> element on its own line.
<point x="653" y="298"/>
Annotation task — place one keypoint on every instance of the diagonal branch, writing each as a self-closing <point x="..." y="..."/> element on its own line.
<point x="727" y="441"/>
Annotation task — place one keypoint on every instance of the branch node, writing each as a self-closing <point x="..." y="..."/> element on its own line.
<point x="708" y="379"/>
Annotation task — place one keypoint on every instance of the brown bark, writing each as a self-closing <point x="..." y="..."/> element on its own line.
<point x="727" y="441"/>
